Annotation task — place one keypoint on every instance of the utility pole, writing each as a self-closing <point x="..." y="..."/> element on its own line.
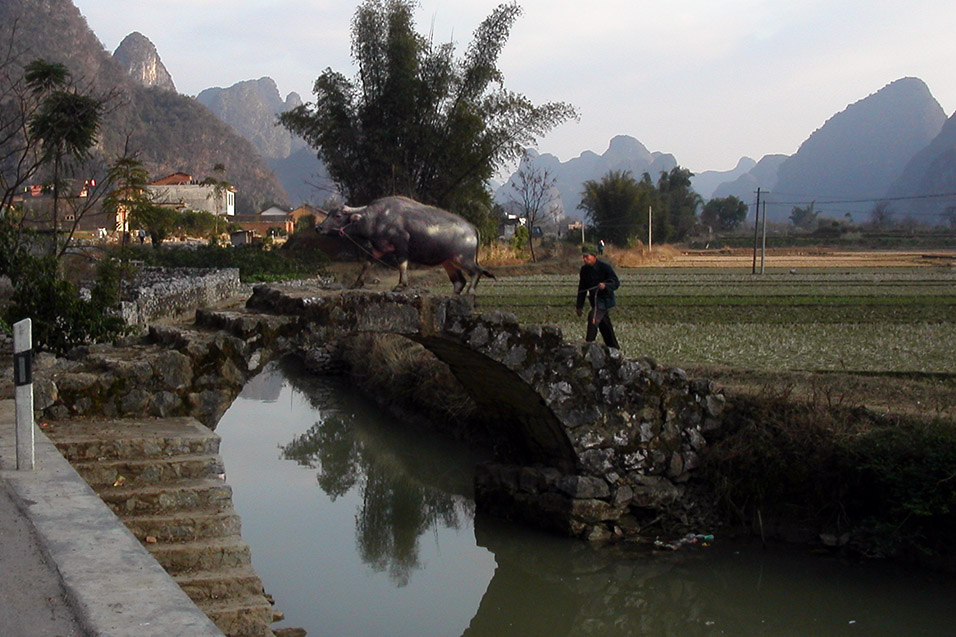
<point x="756" y="230"/>
<point x="650" y="221"/>
<point x="763" y="247"/>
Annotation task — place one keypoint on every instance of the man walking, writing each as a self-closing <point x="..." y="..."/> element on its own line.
<point x="597" y="283"/>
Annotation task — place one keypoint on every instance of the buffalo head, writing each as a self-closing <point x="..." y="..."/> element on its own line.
<point x="339" y="220"/>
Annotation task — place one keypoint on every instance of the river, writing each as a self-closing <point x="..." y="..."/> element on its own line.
<point x="361" y="525"/>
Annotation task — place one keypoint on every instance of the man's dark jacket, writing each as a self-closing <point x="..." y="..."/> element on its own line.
<point x="591" y="275"/>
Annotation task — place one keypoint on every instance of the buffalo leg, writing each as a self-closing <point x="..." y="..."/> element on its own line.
<point x="457" y="279"/>
<point x="473" y="283"/>
<point x="403" y="274"/>
<point x="360" y="281"/>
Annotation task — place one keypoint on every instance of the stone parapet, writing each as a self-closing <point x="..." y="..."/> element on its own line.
<point x="161" y="294"/>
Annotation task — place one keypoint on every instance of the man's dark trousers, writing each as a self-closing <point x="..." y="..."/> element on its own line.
<point x="604" y="325"/>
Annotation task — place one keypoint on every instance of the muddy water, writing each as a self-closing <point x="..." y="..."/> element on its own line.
<point x="360" y="526"/>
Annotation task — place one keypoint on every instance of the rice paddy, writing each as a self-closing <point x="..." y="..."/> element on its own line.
<point x="880" y="320"/>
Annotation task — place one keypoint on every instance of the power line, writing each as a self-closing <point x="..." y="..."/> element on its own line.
<point x="623" y="221"/>
<point x="824" y="200"/>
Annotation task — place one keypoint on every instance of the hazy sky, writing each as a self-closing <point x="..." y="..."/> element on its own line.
<point x="708" y="80"/>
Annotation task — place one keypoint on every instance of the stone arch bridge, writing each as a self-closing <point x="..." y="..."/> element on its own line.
<point x="601" y="444"/>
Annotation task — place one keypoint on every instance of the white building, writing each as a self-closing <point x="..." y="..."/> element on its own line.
<point x="182" y="192"/>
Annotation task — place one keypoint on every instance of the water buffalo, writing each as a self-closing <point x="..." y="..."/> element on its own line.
<point x="406" y="230"/>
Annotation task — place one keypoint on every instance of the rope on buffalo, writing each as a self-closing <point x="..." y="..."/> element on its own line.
<point x="371" y="256"/>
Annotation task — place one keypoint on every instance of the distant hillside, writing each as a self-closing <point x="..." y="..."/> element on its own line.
<point x="305" y="177"/>
<point x="705" y="183"/>
<point x="137" y="55"/>
<point x="744" y="187"/>
<point x="932" y="171"/>
<point x="852" y="158"/>
<point x="892" y="143"/>
<point x="171" y="132"/>
<point x="624" y="153"/>
<point x="250" y="107"/>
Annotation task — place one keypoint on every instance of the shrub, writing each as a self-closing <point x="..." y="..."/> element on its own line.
<point x="890" y="485"/>
<point x="521" y="238"/>
<point x="903" y="484"/>
<point x="62" y="319"/>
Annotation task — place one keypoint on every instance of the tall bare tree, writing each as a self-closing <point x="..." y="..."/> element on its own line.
<point x="532" y="196"/>
<point x="882" y="216"/>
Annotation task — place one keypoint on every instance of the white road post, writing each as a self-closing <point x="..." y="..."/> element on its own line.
<point x="23" y="379"/>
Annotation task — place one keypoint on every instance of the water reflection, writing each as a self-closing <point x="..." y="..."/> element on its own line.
<point x="397" y="507"/>
<point x="727" y="589"/>
<point x="389" y="544"/>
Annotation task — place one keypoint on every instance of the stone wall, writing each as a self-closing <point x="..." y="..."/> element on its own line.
<point x="162" y="294"/>
<point x="172" y="371"/>
<point x="616" y="440"/>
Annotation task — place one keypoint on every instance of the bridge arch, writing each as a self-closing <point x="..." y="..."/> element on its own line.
<point x="603" y="442"/>
<point x="608" y="443"/>
<point x="511" y="409"/>
<point x="620" y="416"/>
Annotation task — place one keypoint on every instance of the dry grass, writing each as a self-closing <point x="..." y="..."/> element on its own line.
<point x="505" y="254"/>
<point x="639" y="256"/>
<point x="812" y="258"/>
<point x="499" y="253"/>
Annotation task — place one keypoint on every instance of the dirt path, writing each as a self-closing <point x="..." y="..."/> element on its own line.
<point x="812" y="258"/>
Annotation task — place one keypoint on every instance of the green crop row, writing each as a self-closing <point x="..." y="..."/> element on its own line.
<point x="870" y="321"/>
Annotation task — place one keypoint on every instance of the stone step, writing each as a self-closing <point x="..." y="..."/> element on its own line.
<point x="165" y="480"/>
<point x="172" y="336"/>
<point x="225" y="583"/>
<point x="116" y="473"/>
<point x="211" y="494"/>
<point x="81" y="441"/>
<point x="246" y="324"/>
<point x="184" y="526"/>
<point x="245" y="616"/>
<point x="197" y="341"/>
<point x="202" y="555"/>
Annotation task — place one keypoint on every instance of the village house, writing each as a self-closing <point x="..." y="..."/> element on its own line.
<point x="276" y="218"/>
<point x="507" y="225"/>
<point x="274" y="212"/>
<point x="181" y="192"/>
<point x="318" y="215"/>
<point x="178" y="191"/>
<point x="74" y="207"/>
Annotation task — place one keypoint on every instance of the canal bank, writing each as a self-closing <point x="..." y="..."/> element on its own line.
<point x="361" y="524"/>
<point x="74" y="546"/>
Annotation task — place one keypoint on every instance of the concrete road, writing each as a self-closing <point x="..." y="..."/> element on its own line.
<point x="32" y="600"/>
<point x="59" y="542"/>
